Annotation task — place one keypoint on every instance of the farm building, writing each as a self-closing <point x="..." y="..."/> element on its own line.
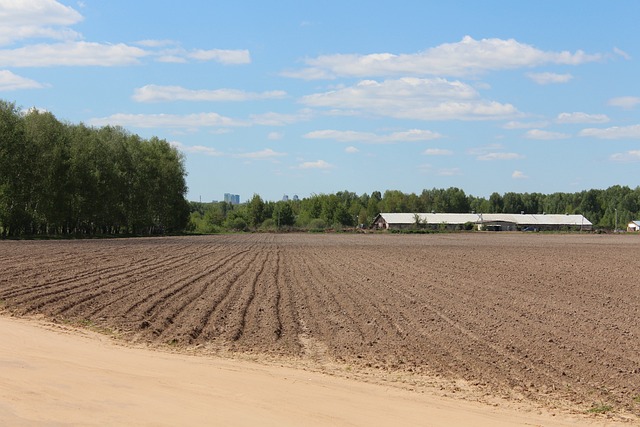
<point x="633" y="226"/>
<point x="489" y="222"/>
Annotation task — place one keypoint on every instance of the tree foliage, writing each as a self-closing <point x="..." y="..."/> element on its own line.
<point x="58" y="178"/>
<point x="345" y="209"/>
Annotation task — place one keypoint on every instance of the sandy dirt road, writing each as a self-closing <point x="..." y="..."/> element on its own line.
<point x="53" y="375"/>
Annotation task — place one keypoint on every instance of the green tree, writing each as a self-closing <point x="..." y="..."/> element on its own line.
<point x="256" y="209"/>
<point x="283" y="214"/>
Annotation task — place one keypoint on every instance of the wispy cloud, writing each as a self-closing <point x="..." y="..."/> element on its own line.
<point x="621" y="53"/>
<point x="318" y="164"/>
<point x="155" y="93"/>
<point x="72" y="53"/>
<point x="223" y="56"/>
<point x="197" y="120"/>
<point x="493" y="152"/>
<point x="579" y="117"/>
<point x="449" y="172"/>
<point x="280" y="119"/>
<point x="500" y="156"/>
<point x="10" y="81"/>
<point x="437" y="152"/>
<point x="267" y="153"/>
<point x="518" y="175"/>
<point x="351" y="150"/>
<point x="411" y="135"/>
<point x="463" y="58"/>
<point x="626" y="102"/>
<point x="549" y="78"/>
<point x="49" y="19"/>
<point x="196" y="149"/>
<point x="524" y="125"/>
<point x="615" y="132"/>
<point x="412" y="98"/>
<point x="631" y="156"/>
<point x="545" y="135"/>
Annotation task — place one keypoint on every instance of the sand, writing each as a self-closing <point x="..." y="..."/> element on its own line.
<point x="55" y="375"/>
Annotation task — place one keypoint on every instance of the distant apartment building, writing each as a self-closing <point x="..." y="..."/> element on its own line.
<point x="234" y="199"/>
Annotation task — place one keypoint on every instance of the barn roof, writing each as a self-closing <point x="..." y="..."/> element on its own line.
<point x="461" y="218"/>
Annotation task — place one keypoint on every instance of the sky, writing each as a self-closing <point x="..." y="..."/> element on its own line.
<point x="314" y="97"/>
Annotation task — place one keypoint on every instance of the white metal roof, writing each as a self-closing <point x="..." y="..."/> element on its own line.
<point x="461" y="218"/>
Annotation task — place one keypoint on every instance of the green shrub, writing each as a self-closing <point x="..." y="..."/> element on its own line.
<point x="317" y="225"/>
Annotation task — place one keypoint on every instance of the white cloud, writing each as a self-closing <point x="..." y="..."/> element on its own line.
<point x="36" y="19"/>
<point x="467" y="57"/>
<point x="155" y="93"/>
<point x="223" y="56"/>
<point x="449" y="172"/>
<point x="157" y="43"/>
<point x="373" y="138"/>
<point x="626" y="102"/>
<point x="319" y="164"/>
<point x="308" y="74"/>
<point x="631" y="156"/>
<point x="524" y="125"/>
<point x="500" y="156"/>
<point x="196" y="149"/>
<point x="437" y="152"/>
<point x="351" y="150"/>
<point x="168" y="51"/>
<point x="267" y="153"/>
<point x="549" y="78"/>
<point x="615" y="132"/>
<point x="581" y="118"/>
<point x="167" y="120"/>
<point x="493" y="152"/>
<point x="518" y="175"/>
<point x="545" y="135"/>
<point x="621" y="53"/>
<point x="280" y="119"/>
<point x="274" y="136"/>
<point x="413" y="98"/>
<point x="10" y="81"/>
<point x="71" y="54"/>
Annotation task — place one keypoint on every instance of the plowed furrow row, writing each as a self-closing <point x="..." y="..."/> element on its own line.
<point x="544" y="316"/>
<point x="224" y="313"/>
<point x="287" y="304"/>
<point x="360" y="299"/>
<point x="96" y="283"/>
<point x="142" y="284"/>
<point x="86" y="270"/>
<point x="390" y="323"/>
<point x="163" y="308"/>
<point x="332" y="323"/>
<point x="489" y="359"/>
<point x="147" y="297"/>
<point x="193" y="313"/>
<point x="243" y="309"/>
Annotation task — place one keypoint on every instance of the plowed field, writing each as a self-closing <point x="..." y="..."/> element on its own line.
<point x="547" y="317"/>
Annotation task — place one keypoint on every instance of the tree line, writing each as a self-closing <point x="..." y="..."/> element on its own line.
<point x="58" y="178"/>
<point x="70" y="179"/>
<point x="616" y="205"/>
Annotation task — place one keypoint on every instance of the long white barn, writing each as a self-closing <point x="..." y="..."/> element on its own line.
<point x="495" y="222"/>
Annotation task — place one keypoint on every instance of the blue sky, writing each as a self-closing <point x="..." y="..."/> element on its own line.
<point x="300" y="97"/>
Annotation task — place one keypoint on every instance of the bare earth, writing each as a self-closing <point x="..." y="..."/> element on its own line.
<point x="543" y="321"/>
